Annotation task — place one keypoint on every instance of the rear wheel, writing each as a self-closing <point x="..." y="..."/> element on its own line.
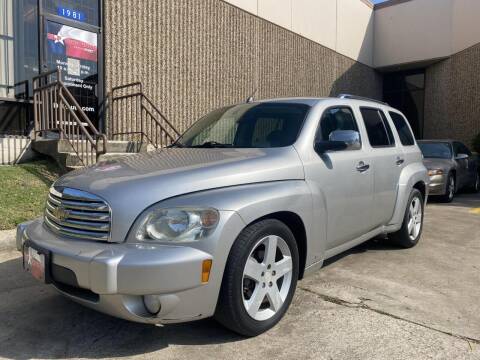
<point x="259" y="279"/>
<point x="450" y="191"/>
<point x="412" y="225"/>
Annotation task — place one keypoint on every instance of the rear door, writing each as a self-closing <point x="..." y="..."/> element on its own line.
<point x="463" y="173"/>
<point x="387" y="160"/>
<point x="411" y="152"/>
<point x="470" y="165"/>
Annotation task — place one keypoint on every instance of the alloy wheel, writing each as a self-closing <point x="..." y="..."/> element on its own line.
<point x="414" y="218"/>
<point x="267" y="277"/>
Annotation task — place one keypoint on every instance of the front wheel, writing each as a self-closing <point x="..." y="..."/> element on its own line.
<point x="259" y="279"/>
<point x="412" y="225"/>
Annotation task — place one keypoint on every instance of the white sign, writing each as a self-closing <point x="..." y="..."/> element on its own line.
<point x="73" y="67"/>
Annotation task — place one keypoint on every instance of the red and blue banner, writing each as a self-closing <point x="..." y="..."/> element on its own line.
<point x="72" y="42"/>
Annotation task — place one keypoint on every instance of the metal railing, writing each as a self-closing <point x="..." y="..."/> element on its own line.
<point x="56" y="110"/>
<point x="12" y="148"/>
<point x="135" y="118"/>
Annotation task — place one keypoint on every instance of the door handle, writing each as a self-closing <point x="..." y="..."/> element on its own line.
<point x="362" y="167"/>
<point x="399" y="161"/>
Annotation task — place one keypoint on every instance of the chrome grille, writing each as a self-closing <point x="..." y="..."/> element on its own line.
<point x="77" y="214"/>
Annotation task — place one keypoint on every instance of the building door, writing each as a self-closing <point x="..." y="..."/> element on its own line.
<point x="70" y="40"/>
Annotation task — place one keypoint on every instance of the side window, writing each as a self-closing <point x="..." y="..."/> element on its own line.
<point x="404" y="132"/>
<point x="464" y="150"/>
<point x="338" y="118"/>
<point x="378" y="129"/>
<point x="456" y="148"/>
<point x="391" y="138"/>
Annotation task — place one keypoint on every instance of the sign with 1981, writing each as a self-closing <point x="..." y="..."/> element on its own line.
<point x="71" y="14"/>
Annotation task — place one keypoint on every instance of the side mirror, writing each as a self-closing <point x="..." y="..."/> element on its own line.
<point x="340" y="140"/>
<point x="461" y="157"/>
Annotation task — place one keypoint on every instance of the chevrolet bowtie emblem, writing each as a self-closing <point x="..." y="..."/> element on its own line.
<point x="61" y="213"/>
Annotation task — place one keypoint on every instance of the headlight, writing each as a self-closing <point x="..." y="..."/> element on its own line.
<point x="174" y="224"/>
<point x="435" y="172"/>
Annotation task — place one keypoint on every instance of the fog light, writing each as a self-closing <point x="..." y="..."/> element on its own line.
<point x="152" y="303"/>
<point x="206" y="267"/>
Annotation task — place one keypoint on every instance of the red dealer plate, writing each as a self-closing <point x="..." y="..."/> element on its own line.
<point x="34" y="263"/>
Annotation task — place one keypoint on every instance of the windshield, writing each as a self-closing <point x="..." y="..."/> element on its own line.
<point x="257" y="125"/>
<point x="440" y="150"/>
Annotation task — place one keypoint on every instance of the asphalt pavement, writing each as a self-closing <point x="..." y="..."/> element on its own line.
<point x="373" y="302"/>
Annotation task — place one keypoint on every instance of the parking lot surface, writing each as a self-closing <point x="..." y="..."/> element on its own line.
<point x="373" y="302"/>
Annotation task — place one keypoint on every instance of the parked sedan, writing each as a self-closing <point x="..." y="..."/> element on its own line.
<point x="451" y="167"/>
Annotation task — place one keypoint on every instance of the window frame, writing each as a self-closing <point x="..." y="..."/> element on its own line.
<point x="319" y="124"/>
<point x="383" y="118"/>
<point x="390" y="112"/>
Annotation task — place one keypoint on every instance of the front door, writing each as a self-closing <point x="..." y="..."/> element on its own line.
<point x="344" y="179"/>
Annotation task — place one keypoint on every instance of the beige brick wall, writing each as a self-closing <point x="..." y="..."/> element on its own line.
<point x="452" y="97"/>
<point x="193" y="56"/>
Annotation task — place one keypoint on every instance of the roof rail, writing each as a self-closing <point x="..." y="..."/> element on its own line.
<point x="355" y="97"/>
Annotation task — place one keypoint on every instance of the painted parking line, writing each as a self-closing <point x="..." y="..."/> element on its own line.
<point x="475" y="211"/>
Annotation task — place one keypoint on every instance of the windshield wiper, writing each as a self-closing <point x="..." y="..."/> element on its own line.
<point x="211" y="144"/>
<point x="176" y="144"/>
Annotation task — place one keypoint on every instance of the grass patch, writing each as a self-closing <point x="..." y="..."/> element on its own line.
<point x="23" y="191"/>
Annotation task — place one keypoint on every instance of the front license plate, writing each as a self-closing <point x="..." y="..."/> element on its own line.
<point x="34" y="263"/>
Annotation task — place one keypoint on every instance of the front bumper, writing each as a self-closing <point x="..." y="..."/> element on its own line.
<point x="438" y="185"/>
<point x="116" y="278"/>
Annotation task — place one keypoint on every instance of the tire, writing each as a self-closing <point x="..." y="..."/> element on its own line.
<point x="408" y="237"/>
<point x="450" y="190"/>
<point x="267" y="294"/>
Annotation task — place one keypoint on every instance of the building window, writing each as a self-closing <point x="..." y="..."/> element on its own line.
<point x="19" y="63"/>
<point x="18" y="47"/>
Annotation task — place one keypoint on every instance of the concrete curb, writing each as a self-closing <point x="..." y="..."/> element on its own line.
<point x="7" y="240"/>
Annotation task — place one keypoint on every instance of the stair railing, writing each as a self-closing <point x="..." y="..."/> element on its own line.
<point x="134" y="117"/>
<point x="57" y="110"/>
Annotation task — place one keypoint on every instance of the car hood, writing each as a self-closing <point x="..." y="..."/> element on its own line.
<point x="132" y="183"/>
<point x="432" y="163"/>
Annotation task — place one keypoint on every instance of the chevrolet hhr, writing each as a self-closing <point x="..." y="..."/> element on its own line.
<point x="224" y="222"/>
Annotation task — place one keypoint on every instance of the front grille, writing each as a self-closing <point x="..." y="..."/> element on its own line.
<point x="77" y="214"/>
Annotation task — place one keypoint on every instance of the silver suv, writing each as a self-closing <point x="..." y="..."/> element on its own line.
<point x="250" y="199"/>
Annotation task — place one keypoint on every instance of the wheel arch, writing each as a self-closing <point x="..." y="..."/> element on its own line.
<point x="422" y="187"/>
<point x="296" y="225"/>
<point x="413" y="176"/>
